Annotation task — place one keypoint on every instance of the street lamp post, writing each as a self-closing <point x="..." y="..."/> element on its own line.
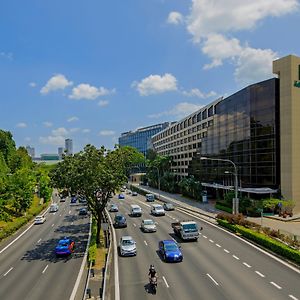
<point x="158" y="178"/>
<point x="235" y="201"/>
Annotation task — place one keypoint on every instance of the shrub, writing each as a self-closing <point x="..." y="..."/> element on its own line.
<point x="224" y="208"/>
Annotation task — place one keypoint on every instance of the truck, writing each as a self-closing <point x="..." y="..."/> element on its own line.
<point x="186" y="230"/>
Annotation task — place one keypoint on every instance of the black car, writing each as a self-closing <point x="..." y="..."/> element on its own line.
<point x="83" y="211"/>
<point x="120" y="221"/>
<point x="168" y="206"/>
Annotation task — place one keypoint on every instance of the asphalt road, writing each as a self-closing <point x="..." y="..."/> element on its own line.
<point x="218" y="266"/>
<point x="29" y="268"/>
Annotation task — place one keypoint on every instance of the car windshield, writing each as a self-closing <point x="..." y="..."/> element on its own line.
<point x="63" y="244"/>
<point x="190" y="227"/>
<point x="169" y="205"/>
<point x="158" y="208"/>
<point x="38" y="218"/>
<point x="149" y="222"/>
<point x="171" y="247"/>
<point x="119" y="218"/>
<point x="127" y="242"/>
<point x="136" y="209"/>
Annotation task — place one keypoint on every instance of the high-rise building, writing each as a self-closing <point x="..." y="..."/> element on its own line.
<point x="30" y="151"/>
<point x="60" y="152"/>
<point x="69" y="146"/>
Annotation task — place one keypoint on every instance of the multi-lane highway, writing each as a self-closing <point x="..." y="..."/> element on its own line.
<point x="29" y="268"/>
<point x="218" y="266"/>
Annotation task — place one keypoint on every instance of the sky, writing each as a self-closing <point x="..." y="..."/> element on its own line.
<point x="90" y="70"/>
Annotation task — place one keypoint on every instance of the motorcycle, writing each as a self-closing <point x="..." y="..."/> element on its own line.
<point x="153" y="284"/>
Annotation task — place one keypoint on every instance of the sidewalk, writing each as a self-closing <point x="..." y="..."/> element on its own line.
<point x="291" y="227"/>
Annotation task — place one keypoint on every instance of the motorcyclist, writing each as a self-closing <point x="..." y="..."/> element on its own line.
<point x="152" y="272"/>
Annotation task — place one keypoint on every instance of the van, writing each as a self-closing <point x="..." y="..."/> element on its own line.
<point x="53" y="207"/>
<point x="149" y="197"/>
<point x="136" y="210"/>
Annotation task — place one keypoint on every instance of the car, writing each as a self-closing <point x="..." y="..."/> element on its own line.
<point x="127" y="246"/>
<point x="121" y="196"/>
<point x="128" y="192"/>
<point x="168" y="206"/>
<point x="150" y="197"/>
<point x="73" y="199"/>
<point x="113" y="208"/>
<point x="170" y="251"/>
<point x="134" y="194"/>
<point x="62" y="199"/>
<point x="65" y="247"/>
<point x="135" y="210"/>
<point x="120" y="221"/>
<point x="148" y="225"/>
<point x="82" y="200"/>
<point x="157" y="210"/>
<point x="122" y="189"/>
<point x="83" y="211"/>
<point x="53" y="207"/>
<point x="39" y="220"/>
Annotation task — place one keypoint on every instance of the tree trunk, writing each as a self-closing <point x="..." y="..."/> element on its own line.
<point x="99" y="221"/>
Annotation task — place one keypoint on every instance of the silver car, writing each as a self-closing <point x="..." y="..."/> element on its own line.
<point x="127" y="246"/>
<point x="148" y="225"/>
<point x="39" y="220"/>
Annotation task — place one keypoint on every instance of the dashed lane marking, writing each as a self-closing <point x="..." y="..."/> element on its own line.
<point x="165" y="281"/>
<point x="226" y="251"/>
<point x="7" y="271"/>
<point x="52" y="225"/>
<point x="214" y="281"/>
<point x="211" y="241"/>
<point x="293" y="297"/>
<point x="134" y="224"/>
<point x="145" y="243"/>
<point x="218" y="245"/>
<point x="234" y="256"/>
<point x="260" y="274"/>
<point x="205" y="236"/>
<point x="39" y="241"/>
<point x="276" y="285"/>
<point x="245" y="264"/>
<point x="45" y="269"/>
<point x="70" y="212"/>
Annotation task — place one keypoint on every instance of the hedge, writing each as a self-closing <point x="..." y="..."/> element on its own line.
<point x="224" y="208"/>
<point x="262" y="239"/>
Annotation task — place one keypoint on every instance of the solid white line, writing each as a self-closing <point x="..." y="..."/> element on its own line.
<point x="211" y="241"/>
<point x="212" y="279"/>
<point x="234" y="256"/>
<point x="145" y="243"/>
<point x="7" y="271"/>
<point x="276" y="285"/>
<point x="205" y="236"/>
<point x="45" y="269"/>
<point x="293" y="297"/>
<point x="226" y="251"/>
<point x="260" y="274"/>
<point x="218" y="245"/>
<point x="39" y="241"/>
<point x="165" y="281"/>
<point x="245" y="264"/>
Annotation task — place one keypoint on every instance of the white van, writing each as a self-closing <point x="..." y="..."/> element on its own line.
<point x="157" y="210"/>
<point x="149" y="197"/>
<point x="54" y="207"/>
<point x="136" y="210"/>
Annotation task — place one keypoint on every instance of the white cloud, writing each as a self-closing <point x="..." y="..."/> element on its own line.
<point x="197" y="93"/>
<point x="52" y="140"/>
<point x="216" y="16"/>
<point x="86" y="130"/>
<point x="89" y="92"/>
<point x="103" y="103"/>
<point x="7" y="55"/>
<point x="61" y="131"/>
<point x="75" y="129"/>
<point x="175" y="18"/>
<point x="47" y="124"/>
<point x="21" y="125"/>
<point x="57" y="82"/>
<point x="72" y="119"/>
<point x="179" y="111"/>
<point x="106" y="132"/>
<point x="32" y="84"/>
<point x="27" y="139"/>
<point x="156" y="84"/>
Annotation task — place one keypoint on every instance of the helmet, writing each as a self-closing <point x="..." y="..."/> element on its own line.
<point x="152" y="267"/>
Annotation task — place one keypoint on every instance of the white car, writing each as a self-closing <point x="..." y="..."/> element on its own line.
<point x="157" y="210"/>
<point x="148" y="225"/>
<point x="53" y="207"/>
<point x="39" y="220"/>
<point x="127" y="246"/>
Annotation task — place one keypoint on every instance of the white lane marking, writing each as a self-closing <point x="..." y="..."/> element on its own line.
<point x="39" y="241"/>
<point x="226" y="251"/>
<point x="70" y="211"/>
<point x="276" y="285"/>
<point x="134" y="224"/>
<point x="293" y="297"/>
<point x="218" y="245"/>
<point x="145" y="243"/>
<point x="177" y="220"/>
<point x="245" y="264"/>
<point x="60" y="215"/>
<point x="234" y="256"/>
<point x="52" y="225"/>
<point x="54" y="214"/>
<point x="211" y="241"/>
<point x="165" y="281"/>
<point x="72" y="223"/>
<point x="7" y="271"/>
<point x="205" y="236"/>
<point x="260" y="274"/>
<point x="215" y="282"/>
<point x="45" y="269"/>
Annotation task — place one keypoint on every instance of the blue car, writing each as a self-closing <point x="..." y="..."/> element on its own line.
<point x="64" y="247"/>
<point x="170" y="251"/>
<point x="121" y="196"/>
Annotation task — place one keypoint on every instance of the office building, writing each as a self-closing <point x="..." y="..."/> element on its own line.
<point x="141" y="137"/>
<point x="257" y="128"/>
<point x="69" y="146"/>
<point x="30" y="151"/>
<point x="60" y="152"/>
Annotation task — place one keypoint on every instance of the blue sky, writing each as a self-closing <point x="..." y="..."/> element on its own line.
<point x="89" y="70"/>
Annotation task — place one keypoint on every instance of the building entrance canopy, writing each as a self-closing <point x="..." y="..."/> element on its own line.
<point x="264" y="190"/>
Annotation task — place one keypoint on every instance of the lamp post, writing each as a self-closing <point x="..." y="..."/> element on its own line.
<point x="235" y="201"/>
<point x="158" y="178"/>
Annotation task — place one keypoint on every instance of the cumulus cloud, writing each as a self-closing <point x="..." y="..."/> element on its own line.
<point x="72" y="119"/>
<point x="21" y="125"/>
<point x="199" y="94"/>
<point x="32" y="84"/>
<point x="86" y="130"/>
<point x="175" y="18"/>
<point x="57" y="82"/>
<point x="156" y="84"/>
<point x="89" y="92"/>
<point x="47" y="124"/>
<point x="103" y="103"/>
<point x="61" y="131"/>
<point x="27" y="139"/>
<point x="179" y="111"/>
<point x="106" y="132"/>
<point x="6" y="55"/>
<point x="52" y="140"/>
